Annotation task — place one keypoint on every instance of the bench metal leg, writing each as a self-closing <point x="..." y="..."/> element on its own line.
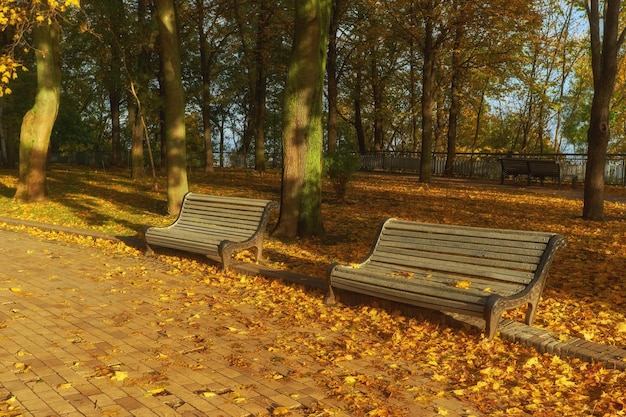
<point x="330" y="297"/>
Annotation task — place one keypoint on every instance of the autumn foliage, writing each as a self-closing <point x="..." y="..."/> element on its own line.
<point x="408" y="360"/>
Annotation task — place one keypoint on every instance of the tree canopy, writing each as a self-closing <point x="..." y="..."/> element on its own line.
<point x="404" y="75"/>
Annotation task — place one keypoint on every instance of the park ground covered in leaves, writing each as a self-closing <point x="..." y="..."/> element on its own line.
<point x="584" y="296"/>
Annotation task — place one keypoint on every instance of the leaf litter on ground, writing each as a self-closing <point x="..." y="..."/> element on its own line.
<point x="583" y="297"/>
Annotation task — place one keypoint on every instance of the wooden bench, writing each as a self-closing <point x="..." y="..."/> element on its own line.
<point x="514" y="167"/>
<point x="214" y="225"/>
<point x="544" y="168"/>
<point x="533" y="168"/>
<point x="467" y="270"/>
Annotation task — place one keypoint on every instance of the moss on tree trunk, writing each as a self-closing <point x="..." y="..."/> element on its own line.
<point x="38" y="122"/>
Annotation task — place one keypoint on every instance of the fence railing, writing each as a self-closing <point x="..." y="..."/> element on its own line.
<point x="487" y="165"/>
<point x="466" y="165"/>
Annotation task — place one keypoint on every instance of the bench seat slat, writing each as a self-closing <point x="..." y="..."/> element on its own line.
<point x="484" y="238"/>
<point x="425" y="277"/>
<point x="461" y="246"/>
<point x="480" y="259"/>
<point x="210" y="225"/>
<point x="416" y="284"/>
<point x="459" y="268"/>
<point x="195" y="234"/>
<point x="373" y="288"/>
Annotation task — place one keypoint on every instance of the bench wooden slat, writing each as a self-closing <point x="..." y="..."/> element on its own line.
<point x="470" y="262"/>
<point x="479" y="284"/>
<point x="211" y="225"/>
<point x="424" y="264"/>
<point x="423" y="300"/>
<point x="443" y="288"/>
<point x="453" y="267"/>
<point x="473" y="234"/>
<point x="477" y="255"/>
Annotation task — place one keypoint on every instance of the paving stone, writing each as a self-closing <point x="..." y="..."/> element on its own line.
<point x="78" y="327"/>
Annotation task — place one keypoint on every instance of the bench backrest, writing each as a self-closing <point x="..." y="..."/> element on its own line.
<point x="514" y="166"/>
<point x="243" y="215"/>
<point x="545" y="167"/>
<point x="488" y="260"/>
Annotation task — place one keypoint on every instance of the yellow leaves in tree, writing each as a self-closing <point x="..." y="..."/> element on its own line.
<point x="8" y="72"/>
<point x="17" y="14"/>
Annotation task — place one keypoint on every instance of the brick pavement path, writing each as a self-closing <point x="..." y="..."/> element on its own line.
<point x="83" y="333"/>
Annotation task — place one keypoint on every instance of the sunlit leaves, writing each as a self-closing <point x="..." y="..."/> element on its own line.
<point x="370" y="360"/>
<point x="21" y="16"/>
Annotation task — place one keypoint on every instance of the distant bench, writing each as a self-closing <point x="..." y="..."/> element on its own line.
<point x="214" y="225"/>
<point x="467" y="270"/>
<point x="537" y="168"/>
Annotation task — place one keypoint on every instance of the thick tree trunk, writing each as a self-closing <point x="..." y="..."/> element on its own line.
<point x="606" y="41"/>
<point x="38" y="122"/>
<point x="301" y="197"/>
<point x="174" y="108"/>
<point x="598" y="139"/>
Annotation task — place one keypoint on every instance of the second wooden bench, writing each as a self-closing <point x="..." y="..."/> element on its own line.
<point x="215" y="225"/>
<point x="468" y="270"/>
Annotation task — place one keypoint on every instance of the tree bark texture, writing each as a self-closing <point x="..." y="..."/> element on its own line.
<point x="301" y="196"/>
<point x="174" y="107"/>
<point x="606" y="41"/>
<point x="38" y="122"/>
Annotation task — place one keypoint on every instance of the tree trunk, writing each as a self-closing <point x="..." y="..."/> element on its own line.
<point x="606" y="41"/>
<point x="260" y="88"/>
<point x="114" y="83"/>
<point x="116" y="143"/>
<point x="377" y="93"/>
<point x="139" y="88"/>
<point x="136" y="134"/>
<point x="428" y="86"/>
<point x="358" y="117"/>
<point x="38" y="122"/>
<point x="331" y="71"/>
<point x="205" y="70"/>
<point x="301" y="196"/>
<point x="4" y="160"/>
<point x="174" y="107"/>
<point x="455" y="102"/>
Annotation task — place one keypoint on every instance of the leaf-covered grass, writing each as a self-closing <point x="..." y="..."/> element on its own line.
<point x="584" y="296"/>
